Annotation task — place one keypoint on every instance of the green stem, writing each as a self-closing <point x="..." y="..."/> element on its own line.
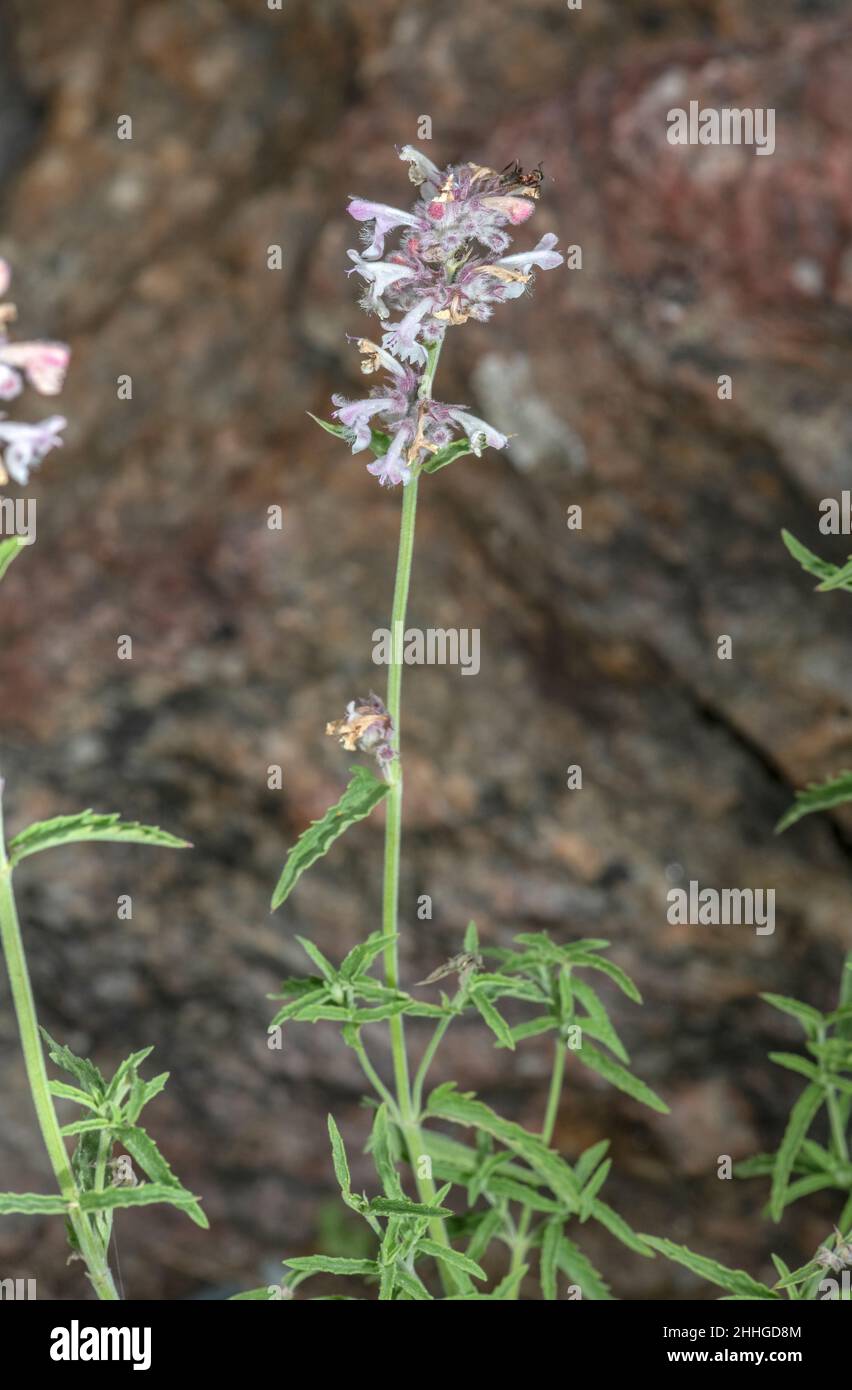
<point x="555" y="1092"/>
<point x="838" y="1132"/>
<point x="838" y="1129"/>
<point x="31" y="1046"/>
<point x="393" y="839"/>
<point x="554" y="1095"/>
<point x="375" y="1080"/>
<point x="426" y="1061"/>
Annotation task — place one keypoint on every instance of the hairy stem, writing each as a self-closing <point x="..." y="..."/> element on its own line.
<point x="91" y="1247"/>
<point x="393" y="839"/>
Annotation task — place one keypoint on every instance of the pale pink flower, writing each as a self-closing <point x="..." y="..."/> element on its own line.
<point x="27" y="445"/>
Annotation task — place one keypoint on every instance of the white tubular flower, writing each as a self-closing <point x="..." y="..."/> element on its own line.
<point x="401" y="338"/>
<point x="542" y="255"/>
<point x="385" y="219"/>
<point x="27" y="445"/>
<point x="356" y="416"/>
<point x="421" y="170"/>
<point x="391" y="468"/>
<point x="479" y="432"/>
<point x="379" y="275"/>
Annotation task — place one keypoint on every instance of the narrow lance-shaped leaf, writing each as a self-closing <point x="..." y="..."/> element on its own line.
<point x="32" y="1204"/>
<point x="341" y="1167"/>
<point x="811" y="1019"/>
<point x="801" y="1118"/>
<point x="580" y="1270"/>
<point x="494" y="1020"/>
<point x="364" y="792"/>
<point x="145" y="1195"/>
<point x="142" y="1148"/>
<point x="549" y="1253"/>
<point x="8" y="550"/>
<point x="379" y="442"/>
<point x="88" y="825"/>
<point x="828" y="574"/>
<point x="400" y="1206"/>
<point x="457" y="450"/>
<point x="84" y="1071"/>
<point x="821" y="796"/>
<point x="331" y="1264"/>
<point x="736" y="1281"/>
<point x="620" y="1077"/>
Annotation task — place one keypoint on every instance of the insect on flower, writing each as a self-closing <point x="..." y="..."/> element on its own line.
<point x="529" y="184"/>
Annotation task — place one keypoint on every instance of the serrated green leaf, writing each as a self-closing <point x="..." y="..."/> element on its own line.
<point x="331" y="1264"/>
<point x="507" y="1289"/>
<point x="798" y="1124"/>
<point x="458" y="449"/>
<point x="341" y="1165"/>
<point x="85" y="1071"/>
<point x="598" y="1024"/>
<point x="449" y="1104"/>
<point x="379" y="442"/>
<point x="619" y="1077"/>
<point x="86" y="1126"/>
<point x="580" y="1270"/>
<point x="533" y="1027"/>
<point x="494" y="1020"/>
<point x="400" y="1206"/>
<point x="324" y="966"/>
<point x="618" y="1227"/>
<point x="489" y="1223"/>
<point x="592" y="1188"/>
<point x="382" y="1154"/>
<point x="32" y="1204"/>
<point x="145" y="1195"/>
<point x="791" y="1062"/>
<point x="819" y="796"/>
<point x="783" y="1272"/>
<point x="812" y="564"/>
<point x="361" y="957"/>
<point x="8" y="550"/>
<point x="412" y="1287"/>
<point x="501" y="1186"/>
<point x="141" y="1093"/>
<point x="548" y="1261"/>
<point x="589" y="1160"/>
<point x="261" y="1295"/>
<point x="736" y="1281"/>
<point x="454" y="1258"/>
<point x="142" y="1148"/>
<point x="614" y="972"/>
<point x="804" y="1187"/>
<point x="810" y="1019"/>
<point x="362" y="795"/>
<point x="63" y="1092"/>
<point x="125" y="1072"/>
<point x="87" y="825"/>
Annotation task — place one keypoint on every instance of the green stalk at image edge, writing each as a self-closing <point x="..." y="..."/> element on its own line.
<point x="90" y="1246"/>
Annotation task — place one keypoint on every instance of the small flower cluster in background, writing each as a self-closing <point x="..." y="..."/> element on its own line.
<point x="450" y="266"/>
<point x="41" y="365"/>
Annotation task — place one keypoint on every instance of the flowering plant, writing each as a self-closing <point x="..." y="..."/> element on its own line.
<point x="93" y="1183"/>
<point x="508" y="1185"/>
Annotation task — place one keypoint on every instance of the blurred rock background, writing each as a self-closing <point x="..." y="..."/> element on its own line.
<point x="250" y="127"/>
